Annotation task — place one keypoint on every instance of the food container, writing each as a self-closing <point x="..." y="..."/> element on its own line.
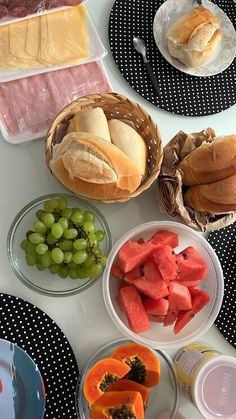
<point x="120" y="107"/>
<point x="163" y="396"/>
<point x="208" y="380"/>
<point x="159" y="337"/>
<point x="170" y="187"/>
<point x="44" y="281"/>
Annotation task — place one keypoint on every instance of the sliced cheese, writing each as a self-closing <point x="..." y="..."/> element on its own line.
<point x="33" y="37"/>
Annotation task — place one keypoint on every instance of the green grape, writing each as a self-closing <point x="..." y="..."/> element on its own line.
<point x="70" y="233"/>
<point x="89" y="216"/>
<point x="30" y="259"/>
<point x="46" y="259"/>
<point x="72" y="265"/>
<point x="50" y="239"/>
<point x="97" y="252"/>
<point x="48" y="219"/>
<point x="64" y="223"/>
<point x="65" y="245"/>
<point x="24" y="244"/>
<point x="62" y="203"/>
<point x="72" y="273"/>
<point x="80" y="244"/>
<point x="36" y="238"/>
<point x="103" y="261"/>
<point x="89" y="227"/>
<point x="57" y="230"/>
<point x="93" y="240"/>
<point x="63" y="271"/>
<point x="89" y="261"/>
<point x="96" y="269"/>
<point x="67" y="213"/>
<point x="77" y="217"/>
<point x="68" y="257"/>
<point x="82" y="272"/>
<point x="47" y="207"/>
<point x="80" y="257"/>
<point x="40" y="266"/>
<point x="31" y="248"/>
<point x="54" y="203"/>
<point x="54" y="268"/>
<point x="57" y="255"/>
<point x="100" y="234"/>
<point x="41" y="248"/>
<point x="38" y="257"/>
<point x="39" y="227"/>
<point x="40" y="214"/>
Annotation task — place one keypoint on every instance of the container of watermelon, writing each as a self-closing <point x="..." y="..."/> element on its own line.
<point x="163" y="284"/>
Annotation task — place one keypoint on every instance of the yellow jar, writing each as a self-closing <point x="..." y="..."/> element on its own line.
<point x="208" y="380"/>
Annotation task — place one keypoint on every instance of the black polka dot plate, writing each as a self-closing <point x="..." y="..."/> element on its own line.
<point x="35" y="332"/>
<point x="224" y="243"/>
<point x="181" y="93"/>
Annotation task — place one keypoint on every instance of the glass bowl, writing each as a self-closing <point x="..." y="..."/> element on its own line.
<point x="44" y="281"/>
<point x="159" y="337"/>
<point x="164" y="396"/>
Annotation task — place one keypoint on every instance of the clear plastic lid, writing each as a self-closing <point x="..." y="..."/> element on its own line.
<point x="215" y="388"/>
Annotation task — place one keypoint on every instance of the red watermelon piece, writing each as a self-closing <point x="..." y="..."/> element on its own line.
<point x="166" y="263"/>
<point x="165" y="237"/>
<point x="155" y="289"/>
<point x="151" y="270"/>
<point x="191" y="265"/>
<point x="170" y="318"/>
<point x="184" y="317"/>
<point x="190" y="283"/>
<point x="131" y="303"/>
<point x="156" y="319"/>
<point x="156" y="307"/>
<point x="131" y="276"/>
<point x="141" y="240"/>
<point x="116" y="271"/>
<point x="133" y="254"/>
<point x="179" y="297"/>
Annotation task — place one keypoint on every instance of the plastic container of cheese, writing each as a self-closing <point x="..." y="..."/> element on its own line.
<point x="28" y="106"/>
<point x="36" y="46"/>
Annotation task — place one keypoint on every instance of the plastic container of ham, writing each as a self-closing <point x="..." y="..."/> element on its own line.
<point x="96" y="51"/>
<point x="28" y="106"/>
<point x="12" y="11"/>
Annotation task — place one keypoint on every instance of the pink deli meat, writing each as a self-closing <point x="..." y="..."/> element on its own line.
<point x="28" y="105"/>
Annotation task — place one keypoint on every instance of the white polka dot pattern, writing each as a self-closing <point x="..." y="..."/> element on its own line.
<point x="36" y="333"/>
<point x="224" y="243"/>
<point x="181" y="93"/>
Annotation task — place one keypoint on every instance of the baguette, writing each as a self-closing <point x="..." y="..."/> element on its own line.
<point x="92" y="121"/>
<point x="210" y="162"/>
<point x="91" y="167"/>
<point x="215" y="197"/>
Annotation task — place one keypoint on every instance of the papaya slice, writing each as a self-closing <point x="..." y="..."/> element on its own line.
<point x="102" y="374"/>
<point x="143" y="363"/>
<point x="128" y="385"/>
<point x="118" y="404"/>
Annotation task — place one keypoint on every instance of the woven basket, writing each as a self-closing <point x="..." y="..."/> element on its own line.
<point x="116" y="106"/>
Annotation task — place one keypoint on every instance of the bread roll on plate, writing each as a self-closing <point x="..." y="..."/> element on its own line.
<point x="215" y="197"/>
<point x="94" y="168"/>
<point x="93" y="121"/>
<point x="210" y="162"/>
<point x="130" y="142"/>
<point x="194" y="37"/>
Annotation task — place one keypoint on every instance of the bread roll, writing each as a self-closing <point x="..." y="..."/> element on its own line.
<point x="215" y="197"/>
<point x="210" y="162"/>
<point x="130" y="142"/>
<point x="93" y="121"/>
<point x="90" y="166"/>
<point x="194" y="37"/>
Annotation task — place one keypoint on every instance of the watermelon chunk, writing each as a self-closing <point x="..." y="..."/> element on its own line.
<point x="133" y="254"/>
<point x="131" y="303"/>
<point x="165" y="237"/>
<point x="166" y="263"/>
<point x="156" y="307"/>
<point x="155" y="289"/>
<point x="141" y="240"/>
<point x="184" y="317"/>
<point x="189" y="283"/>
<point x="151" y="270"/>
<point x="170" y="318"/>
<point x="116" y="271"/>
<point x="191" y="265"/>
<point x="156" y="319"/>
<point x="131" y="276"/>
<point x="179" y="297"/>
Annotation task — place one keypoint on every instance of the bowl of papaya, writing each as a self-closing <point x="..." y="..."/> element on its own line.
<point x="163" y="284"/>
<point x="125" y="379"/>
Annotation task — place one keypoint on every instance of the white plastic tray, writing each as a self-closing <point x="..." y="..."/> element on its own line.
<point x="96" y="52"/>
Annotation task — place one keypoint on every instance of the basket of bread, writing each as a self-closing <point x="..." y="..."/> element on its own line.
<point x="197" y="181"/>
<point x="105" y="148"/>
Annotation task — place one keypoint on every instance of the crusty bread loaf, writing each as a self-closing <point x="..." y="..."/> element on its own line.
<point x="210" y="162"/>
<point x="194" y="37"/>
<point x="215" y="197"/>
<point x="93" y="121"/>
<point x="92" y="167"/>
<point x="130" y="142"/>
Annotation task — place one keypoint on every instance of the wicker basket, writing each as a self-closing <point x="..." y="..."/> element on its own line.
<point x="116" y="106"/>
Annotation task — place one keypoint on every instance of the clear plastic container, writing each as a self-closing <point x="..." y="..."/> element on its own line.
<point x="158" y="336"/>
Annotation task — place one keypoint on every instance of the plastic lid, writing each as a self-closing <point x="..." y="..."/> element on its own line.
<point x="215" y="388"/>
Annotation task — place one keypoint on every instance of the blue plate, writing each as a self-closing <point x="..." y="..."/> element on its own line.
<point x="22" y="394"/>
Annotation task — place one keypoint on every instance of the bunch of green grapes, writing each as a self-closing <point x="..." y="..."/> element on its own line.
<point x="65" y="240"/>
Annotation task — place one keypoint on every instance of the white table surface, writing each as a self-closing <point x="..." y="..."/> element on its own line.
<point x="23" y="177"/>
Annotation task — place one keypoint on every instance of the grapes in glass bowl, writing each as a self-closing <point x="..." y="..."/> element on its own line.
<point x="58" y="244"/>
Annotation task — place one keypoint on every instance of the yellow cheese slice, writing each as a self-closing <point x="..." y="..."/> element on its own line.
<point x="6" y="59"/>
<point x="33" y="37"/>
